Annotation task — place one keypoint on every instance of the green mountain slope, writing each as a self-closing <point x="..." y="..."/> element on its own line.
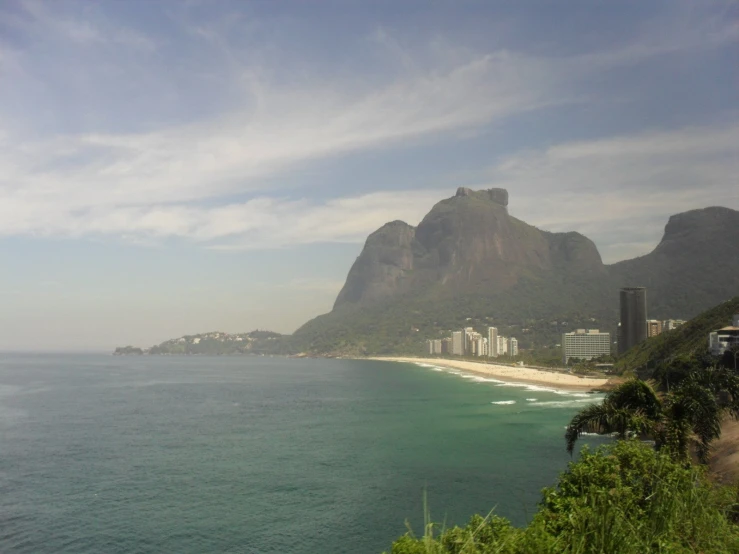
<point x="688" y="340"/>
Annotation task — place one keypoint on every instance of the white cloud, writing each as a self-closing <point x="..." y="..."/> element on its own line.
<point x="147" y="182"/>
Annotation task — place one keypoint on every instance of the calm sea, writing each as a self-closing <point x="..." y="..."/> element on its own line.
<point x="100" y="454"/>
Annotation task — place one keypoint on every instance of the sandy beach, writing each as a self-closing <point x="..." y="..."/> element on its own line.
<point x="509" y="373"/>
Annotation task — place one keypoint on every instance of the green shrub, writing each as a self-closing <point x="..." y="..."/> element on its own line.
<point x="624" y="498"/>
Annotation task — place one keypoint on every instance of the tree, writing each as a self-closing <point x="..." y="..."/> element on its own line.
<point x="690" y="414"/>
<point x="695" y="409"/>
<point x="633" y="406"/>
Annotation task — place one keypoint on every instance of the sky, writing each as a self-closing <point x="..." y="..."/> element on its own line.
<point x="174" y="167"/>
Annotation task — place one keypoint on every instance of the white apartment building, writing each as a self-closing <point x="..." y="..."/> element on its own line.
<point x="585" y="344"/>
<point x="502" y="346"/>
<point x="457" y="343"/>
<point x="513" y="346"/>
<point x="493" y="342"/>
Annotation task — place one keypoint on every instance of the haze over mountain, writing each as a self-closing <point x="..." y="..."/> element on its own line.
<point x="469" y="258"/>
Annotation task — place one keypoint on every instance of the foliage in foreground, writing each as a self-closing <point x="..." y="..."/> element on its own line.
<point x="624" y="498"/>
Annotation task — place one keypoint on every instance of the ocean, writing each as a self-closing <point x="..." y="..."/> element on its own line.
<point x="103" y="454"/>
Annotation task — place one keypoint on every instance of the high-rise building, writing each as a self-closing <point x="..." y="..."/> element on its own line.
<point x="654" y="327"/>
<point x="502" y="346"/>
<point x="585" y="345"/>
<point x="446" y="345"/>
<point x="457" y="343"/>
<point x="437" y="346"/>
<point x="469" y="333"/>
<point x="493" y="342"/>
<point x="478" y="345"/>
<point x="633" y="317"/>
<point x="513" y="346"/>
<point x="430" y="346"/>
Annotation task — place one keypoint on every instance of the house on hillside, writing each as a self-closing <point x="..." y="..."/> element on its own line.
<point x="724" y="339"/>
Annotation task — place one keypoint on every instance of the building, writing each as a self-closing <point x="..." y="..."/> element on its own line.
<point x="502" y="346"/>
<point x="457" y="343"/>
<point x="479" y="345"/>
<point x="484" y="347"/>
<point x="446" y="345"/>
<point x="724" y="339"/>
<point x="585" y="345"/>
<point x="493" y="342"/>
<point x="633" y="330"/>
<point x="469" y="335"/>
<point x="430" y="347"/>
<point x="670" y="324"/>
<point x="654" y="327"/>
<point x="513" y="346"/>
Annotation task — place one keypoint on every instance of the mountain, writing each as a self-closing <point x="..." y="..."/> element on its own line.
<point x="466" y="244"/>
<point x="470" y="263"/>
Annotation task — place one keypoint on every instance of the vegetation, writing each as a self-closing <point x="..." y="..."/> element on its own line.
<point x="624" y="498"/>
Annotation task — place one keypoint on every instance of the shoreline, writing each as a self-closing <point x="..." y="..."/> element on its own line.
<point x="518" y="374"/>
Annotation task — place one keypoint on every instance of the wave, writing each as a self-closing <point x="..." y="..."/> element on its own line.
<point x="504" y="402"/>
<point x="479" y="379"/>
<point x="564" y="403"/>
<point x="529" y="387"/>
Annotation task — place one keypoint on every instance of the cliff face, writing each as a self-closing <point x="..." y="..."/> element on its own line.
<point x="466" y="244"/>
<point x="382" y="269"/>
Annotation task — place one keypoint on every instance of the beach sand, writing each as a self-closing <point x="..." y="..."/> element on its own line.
<point x="518" y="374"/>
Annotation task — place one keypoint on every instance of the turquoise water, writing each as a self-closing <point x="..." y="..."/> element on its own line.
<point x="260" y="455"/>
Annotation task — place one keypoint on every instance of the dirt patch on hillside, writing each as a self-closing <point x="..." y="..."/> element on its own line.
<point x="724" y="462"/>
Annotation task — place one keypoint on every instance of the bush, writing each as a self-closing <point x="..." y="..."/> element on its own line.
<point x="623" y="498"/>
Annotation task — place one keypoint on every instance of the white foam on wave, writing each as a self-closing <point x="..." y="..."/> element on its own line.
<point x="564" y="403"/>
<point x="478" y="378"/>
<point x="504" y="402"/>
<point x="531" y="400"/>
<point x="430" y="366"/>
<point x="529" y="387"/>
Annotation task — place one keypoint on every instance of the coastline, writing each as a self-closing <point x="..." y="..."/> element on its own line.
<point x="508" y="373"/>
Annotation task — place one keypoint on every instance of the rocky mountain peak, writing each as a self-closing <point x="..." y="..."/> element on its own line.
<point x="499" y="196"/>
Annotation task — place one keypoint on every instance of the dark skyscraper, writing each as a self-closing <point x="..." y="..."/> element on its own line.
<point x="633" y="318"/>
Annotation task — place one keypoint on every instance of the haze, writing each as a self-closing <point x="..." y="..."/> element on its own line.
<point x="179" y="167"/>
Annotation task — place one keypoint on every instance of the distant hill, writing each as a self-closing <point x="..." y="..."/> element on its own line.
<point x="689" y="339"/>
<point x="215" y="343"/>
<point x="470" y="263"/>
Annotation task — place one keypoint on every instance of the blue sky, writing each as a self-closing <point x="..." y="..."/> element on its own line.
<point x="174" y="167"/>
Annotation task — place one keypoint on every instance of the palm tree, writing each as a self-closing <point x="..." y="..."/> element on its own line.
<point x="633" y="406"/>
<point x="695" y="409"/>
<point x="691" y="413"/>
